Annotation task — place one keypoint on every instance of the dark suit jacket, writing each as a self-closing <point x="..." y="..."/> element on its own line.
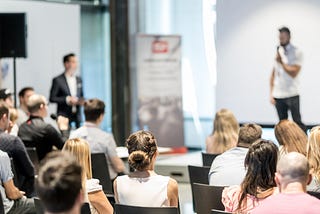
<point x="58" y="93"/>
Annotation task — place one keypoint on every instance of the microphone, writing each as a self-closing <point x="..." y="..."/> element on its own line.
<point x="53" y="116"/>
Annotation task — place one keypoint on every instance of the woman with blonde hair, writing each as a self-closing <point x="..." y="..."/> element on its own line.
<point x="94" y="194"/>
<point x="225" y="132"/>
<point x="313" y="156"/>
<point x="291" y="137"/>
<point x="144" y="187"/>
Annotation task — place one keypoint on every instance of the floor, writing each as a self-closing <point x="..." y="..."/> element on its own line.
<point x="176" y="166"/>
<point x="185" y="198"/>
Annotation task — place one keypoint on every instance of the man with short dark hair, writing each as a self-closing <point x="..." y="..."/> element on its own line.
<point x="99" y="141"/>
<point x="228" y="168"/>
<point x="59" y="184"/>
<point x="6" y="96"/>
<point x="292" y="178"/>
<point x="23" y="113"/>
<point x="16" y="150"/>
<point x="66" y="91"/>
<point x="35" y="132"/>
<point x="284" y="80"/>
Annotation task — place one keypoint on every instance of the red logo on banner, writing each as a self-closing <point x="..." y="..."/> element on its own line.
<point x="160" y="47"/>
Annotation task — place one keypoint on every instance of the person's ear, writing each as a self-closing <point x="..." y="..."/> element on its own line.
<point x="309" y="179"/>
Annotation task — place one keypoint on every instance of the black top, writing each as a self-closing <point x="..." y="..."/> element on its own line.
<point x="37" y="133"/>
<point x="15" y="149"/>
<point x="58" y="93"/>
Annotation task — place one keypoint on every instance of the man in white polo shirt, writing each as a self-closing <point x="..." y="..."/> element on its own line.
<point x="284" y="81"/>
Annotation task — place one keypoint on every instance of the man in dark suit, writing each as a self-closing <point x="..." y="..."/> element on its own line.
<point x="66" y="91"/>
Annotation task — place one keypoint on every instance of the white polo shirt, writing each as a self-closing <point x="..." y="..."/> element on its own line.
<point x="286" y="86"/>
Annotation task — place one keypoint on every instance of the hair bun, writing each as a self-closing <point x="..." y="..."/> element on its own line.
<point x="139" y="160"/>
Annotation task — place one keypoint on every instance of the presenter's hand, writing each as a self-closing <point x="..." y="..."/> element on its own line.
<point x="272" y="100"/>
<point x="278" y="58"/>
<point x="72" y="100"/>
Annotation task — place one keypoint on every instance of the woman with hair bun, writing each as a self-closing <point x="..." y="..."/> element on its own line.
<point x="144" y="187"/>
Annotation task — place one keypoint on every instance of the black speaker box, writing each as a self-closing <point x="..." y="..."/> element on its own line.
<point x="13" y="35"/>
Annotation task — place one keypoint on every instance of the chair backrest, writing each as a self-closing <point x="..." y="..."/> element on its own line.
<point x="208" y="158"/>
<point x="32" y="152"/>
<point x="1" y="205"/>
<point x="126" y="209"/>
<point x="207" y="198"/>
<point x="15" y="174"/>
<point x="39" y="206"/>
<point x="198" y="174"/>
<point x="214" y="211"/>
<point x="85" y="209"/>
<point x="100" y="171"/>
<point x="315" y="194"/>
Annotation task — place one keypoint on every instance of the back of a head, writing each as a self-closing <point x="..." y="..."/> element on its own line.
<point x="261" y="162"/>
<point x="93" y="108"/>
<point x="142" y="146"/>
<point x="34" y="102"/>
<point x="248" y="134"/>
<point x="225" y="121"/>
<point x="291" y="136"/>
<point x="59" y="182"/>
<point x="4" y="109"/>
<point x="80" y="149"/>
<point x="293" y="167"/>
<point x="313" y="152"/>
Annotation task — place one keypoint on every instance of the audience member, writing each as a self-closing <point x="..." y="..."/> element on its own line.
<point x="99" y="140"/>
<point x="313" y="156"/>
<point x="144" y="187"/>
<point x="23" y="113"/>
<point x="16" y="150"/>
<point x="228" y="169"/>
<point x="225" y="132"/>
<point x="6" y="96"/>
<point x="13" y="127"/>
<point x="66" y="91"/>
<point x="258" y="184"/>
<point x="292" y="177"/>
<point x="93" y="190"/>
<point x="35" y="132"/>
<point x="13" y="199"/>
<point x="59" y="184"/>
<point x="290" y="137"/>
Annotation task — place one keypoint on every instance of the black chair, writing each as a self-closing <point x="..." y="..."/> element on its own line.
<point x="85" y="209"/>
<point x="1" y="205"/>
<point x="198" y="174"/>
<point x="207" y="198"/>
<point x="32" y="152"/>
<point x="100" y="170"/>
<point x="214" y="211"/>
<point x="125" y="209"/>
<point x="207" y="158"/>
<point x="314" y="194"/>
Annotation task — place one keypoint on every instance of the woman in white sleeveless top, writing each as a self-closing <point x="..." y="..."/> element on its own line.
<point x="144" y="187"/>
<point x="94" y="195"/>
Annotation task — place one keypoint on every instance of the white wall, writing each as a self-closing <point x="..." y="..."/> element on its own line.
<point x="247" y="37"/>
<point x="53" y="31"/>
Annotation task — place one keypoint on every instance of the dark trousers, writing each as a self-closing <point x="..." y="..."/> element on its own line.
<point x="292" y="104"/>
